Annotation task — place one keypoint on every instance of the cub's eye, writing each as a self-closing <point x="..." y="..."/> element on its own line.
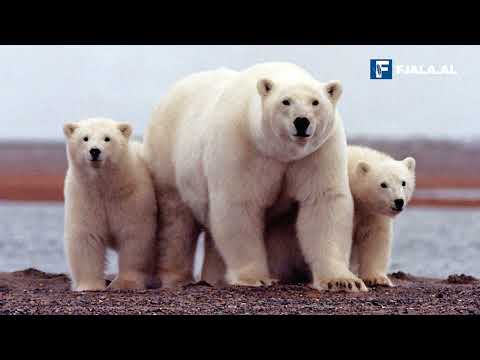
<point x="286" y="102"/>
<point x="315" y="102"/>
<point x="404" y="183"/>
<point x="384" y="185"/>
<point x="107" y="139"/>
<point x="85" y="138"/>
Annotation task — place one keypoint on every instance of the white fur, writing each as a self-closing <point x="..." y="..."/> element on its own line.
<point x="374" y="208"/>
<point x="224" y="143"/>
<point x="108" y="204"/>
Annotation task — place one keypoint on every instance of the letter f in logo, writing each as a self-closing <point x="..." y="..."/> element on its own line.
<point x="380" y="69"/>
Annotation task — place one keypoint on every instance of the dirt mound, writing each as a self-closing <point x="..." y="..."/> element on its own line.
<point x="400" y="275"/>
<point x="461" y="279"/>
<point x="34" y="273"/>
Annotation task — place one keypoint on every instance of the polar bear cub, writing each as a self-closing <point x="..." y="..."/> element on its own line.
<point x="109" y="203"/>
<point x="381" y="188"/>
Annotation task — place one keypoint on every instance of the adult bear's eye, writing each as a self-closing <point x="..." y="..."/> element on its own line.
<point x="404" y="183"/>
<point x="286" y="102"/>
<point x="107" y="139"/>
<point x="85" y="138"/>
<point x="384" y="185"/>
<point x="315" y="102"/>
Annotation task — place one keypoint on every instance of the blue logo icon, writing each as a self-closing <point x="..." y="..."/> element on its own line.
<point x="381" y="69"/>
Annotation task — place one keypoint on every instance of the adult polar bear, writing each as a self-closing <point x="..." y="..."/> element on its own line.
<point x="228" y="149"/>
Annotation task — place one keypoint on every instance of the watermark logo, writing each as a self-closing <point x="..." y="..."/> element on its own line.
<point x="445" y="69"/>
<point x="381" y="69"/>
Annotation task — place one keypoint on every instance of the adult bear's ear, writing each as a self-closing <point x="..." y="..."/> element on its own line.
<point x="409" y="163"/>
<point x="69" y="129"/>
<point x="264" y="86"/>
<point x="334" y="90"/>
<point x="363" y="167"/>
<point x="125" y="129"/>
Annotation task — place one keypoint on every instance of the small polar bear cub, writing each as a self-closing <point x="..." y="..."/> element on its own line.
<point x="381" y="188"/>
<point x="109" y="203"/>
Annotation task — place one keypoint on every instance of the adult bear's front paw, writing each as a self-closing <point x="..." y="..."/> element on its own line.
<point x="347" y="284"/>
<point x="377" y="280"/>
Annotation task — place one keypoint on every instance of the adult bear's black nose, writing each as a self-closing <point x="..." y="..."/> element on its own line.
<point x="95" y="153"/>
<point x="399" y="204"/>
<point x="301" y="125"/>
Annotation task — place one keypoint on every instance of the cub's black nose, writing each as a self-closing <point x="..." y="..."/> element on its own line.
<point x="301" y="125"/>
<point x="95" y="153"/>
<point x="399" y="204"/>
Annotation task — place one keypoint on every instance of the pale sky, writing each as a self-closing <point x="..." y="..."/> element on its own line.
<point x="41" y="87"/>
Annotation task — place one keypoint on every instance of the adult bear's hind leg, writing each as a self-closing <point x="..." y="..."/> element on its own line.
<point x="177" y="237"/>
<point x="213" y="270"/>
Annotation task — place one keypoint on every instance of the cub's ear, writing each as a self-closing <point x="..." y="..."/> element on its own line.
<point x="363" y="168"/>
<point x="69" y="129"/>
<point x="409" y="163"/>
<point x="334" y="90"/>
<point x="125" y="129"/>
<point x="264" y="86"/>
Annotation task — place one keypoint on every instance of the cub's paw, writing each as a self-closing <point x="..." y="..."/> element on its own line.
<point x="91" y="286"/>
<point x="126" y="284"/>
<point x="340" y="284"/>
<point x="377" y="280"/>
